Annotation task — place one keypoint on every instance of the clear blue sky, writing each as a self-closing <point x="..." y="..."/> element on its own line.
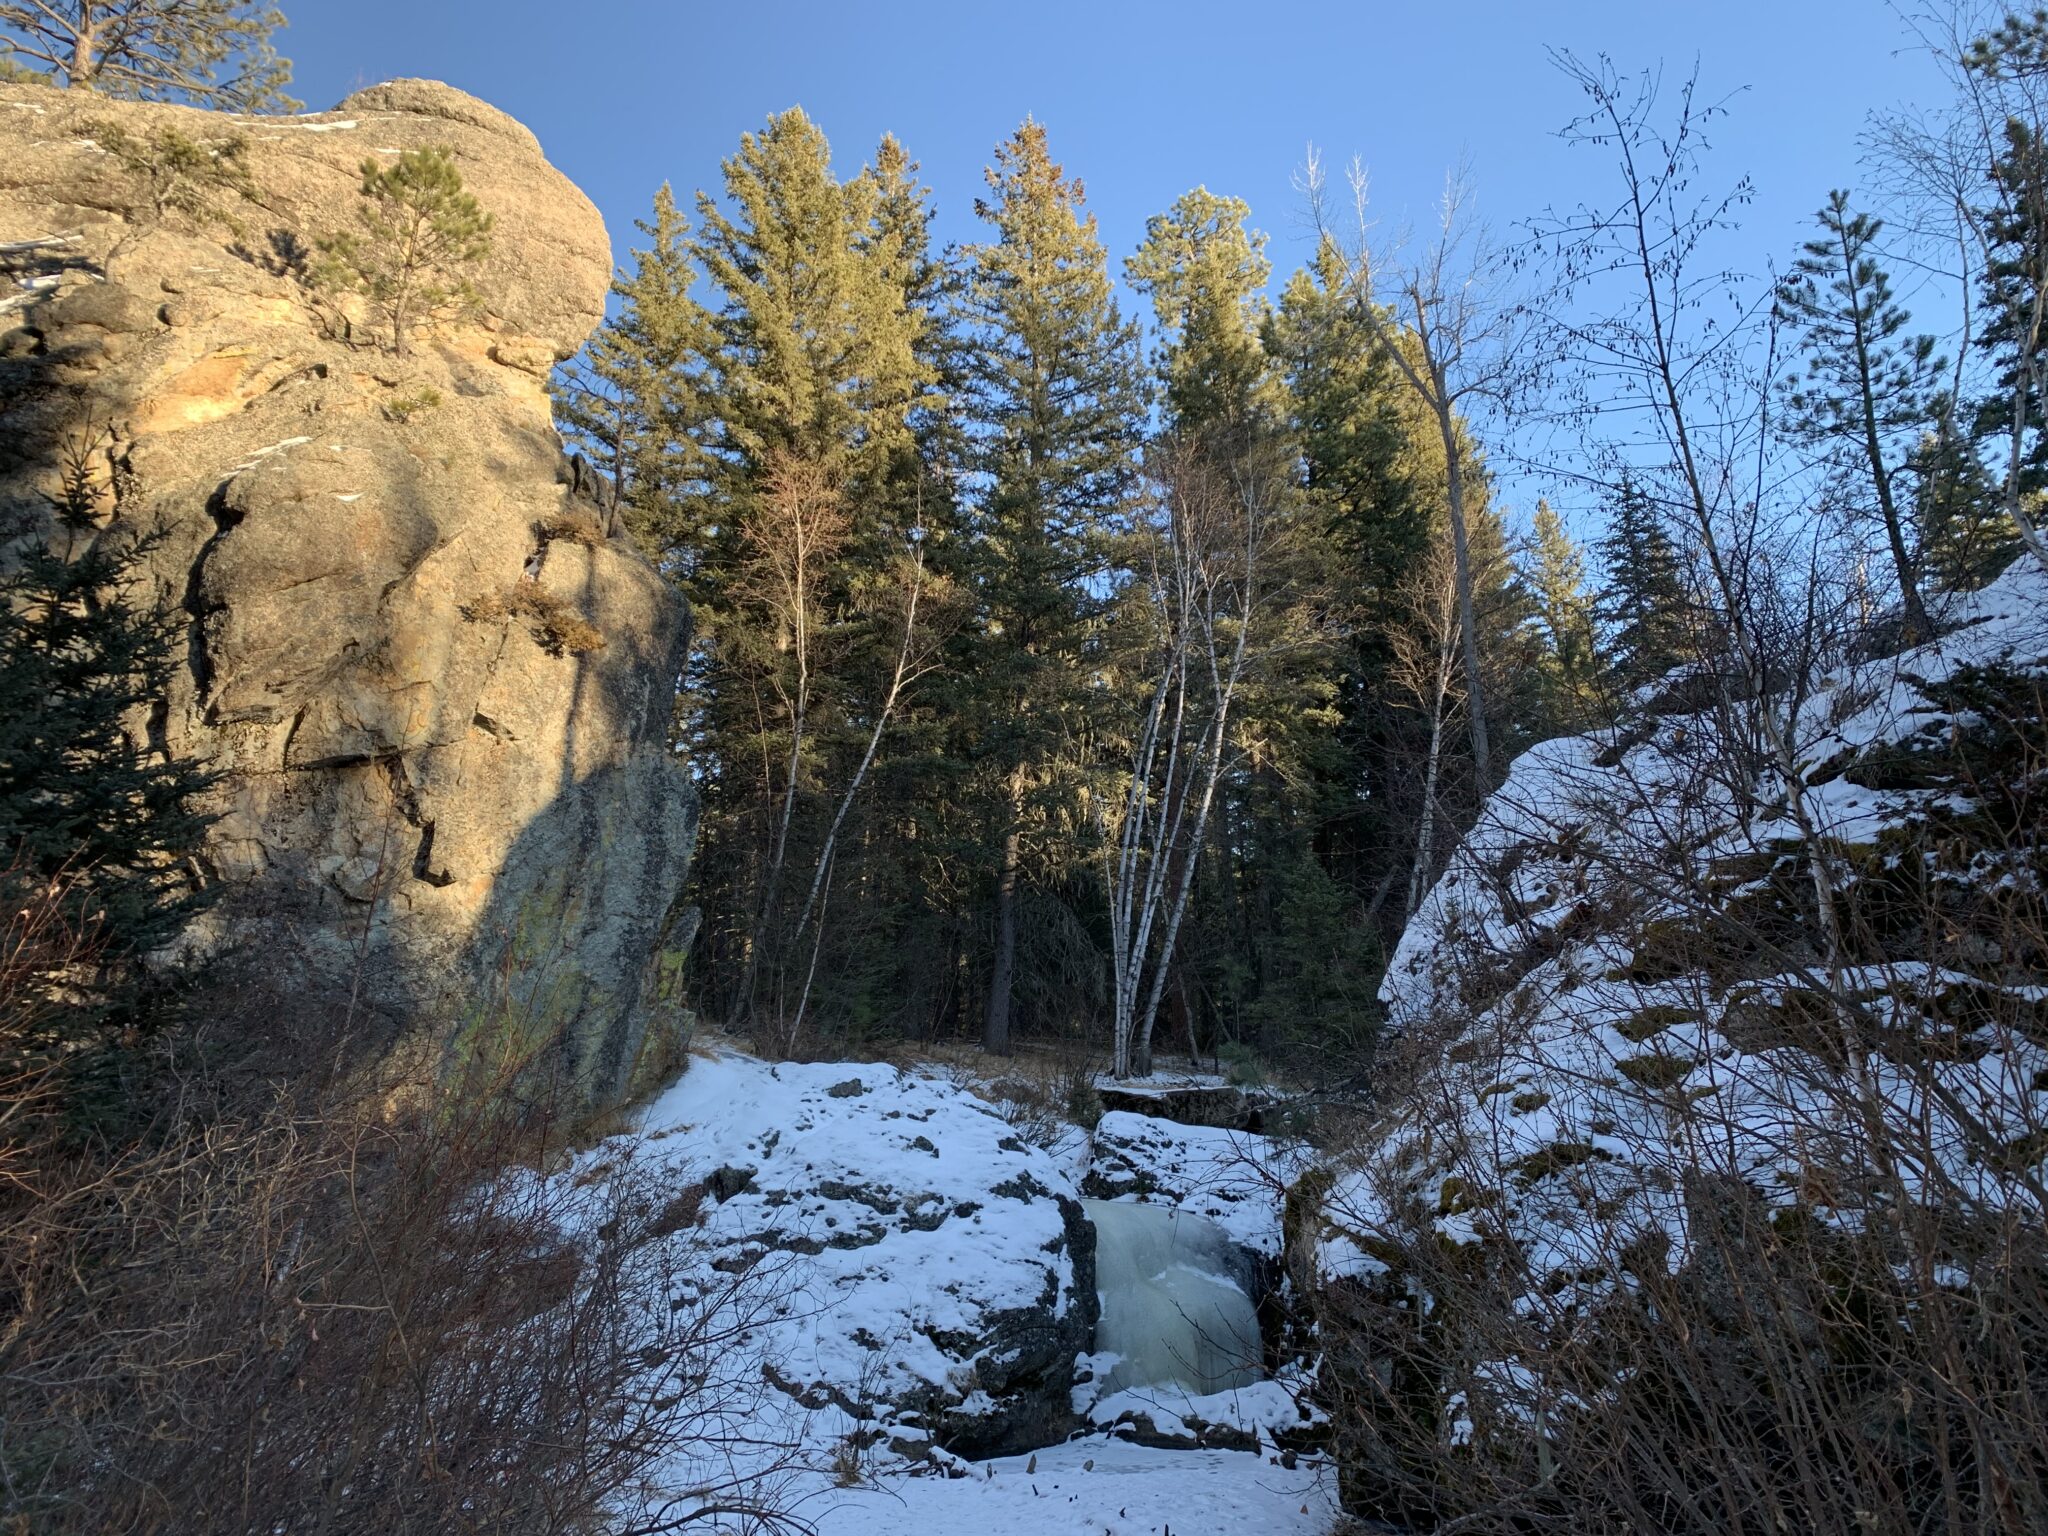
<point x="1142" y="100"/>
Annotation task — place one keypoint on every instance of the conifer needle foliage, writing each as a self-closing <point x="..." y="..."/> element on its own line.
<point x="419" y="234"/>
<point x="210" y="53"/>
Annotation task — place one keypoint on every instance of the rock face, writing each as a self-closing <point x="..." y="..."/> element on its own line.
<point x="435" y="678"/>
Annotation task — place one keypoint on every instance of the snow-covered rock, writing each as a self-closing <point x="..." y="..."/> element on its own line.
<point x="1612" y="990"/>
<point x="1233" y="1178"/>
<point x="931" y="1275"/>
<point x="1702" y="1006"/>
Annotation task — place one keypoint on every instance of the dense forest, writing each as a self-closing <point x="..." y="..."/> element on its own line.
<point x="1074" y="674"/>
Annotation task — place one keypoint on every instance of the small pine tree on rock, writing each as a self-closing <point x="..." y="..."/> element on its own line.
<point x="1869" y="388"/>
<point x="420" y="229"/>
<point x="203" y="180"/>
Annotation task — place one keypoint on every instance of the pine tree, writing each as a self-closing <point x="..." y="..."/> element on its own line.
<point x="1057" y="401"/>
<point x="2015" y="273"/>
<point x="420" y="231"/>
<point x="634" y="401"/>
<point x="1966" y="537"/>
<point x="816" y="349"/>
<point x="1557" y="582"/>
<point x="86" y="800"/>
<point x="210" y="53"/>
<point x="1345" y="395"/>
<point x="814" y="377"/>
<point x="1371" y="523"/>
<point x="1646" y="610"/>
<point x="1867" y="388"/>
<point x="1205" y="273"/>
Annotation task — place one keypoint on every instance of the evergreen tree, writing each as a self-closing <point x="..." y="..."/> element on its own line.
<point x="634" y="401"/>
<point x="86" y="800"/>
<point x="1205" y="274"/>
<point x="1345" y="396"/>
<point x="1966" y="537"/>
<point x="420" y="231"/>
<point x="1057" y="401"/>
<point x="1557" y="582"/>
<point x="816" y="354"/>
<point x="1371" y="497"/>
<point x="814" y="376"/>
<point x="1646" y="610"/>
<point x="1867" y="388"/>
<point x="211" y="53"/>
<point x="1228" y="408"/>
<point x="2015" y="275"/>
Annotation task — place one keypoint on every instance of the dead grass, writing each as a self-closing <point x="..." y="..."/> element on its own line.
<point x="553" y="622"/>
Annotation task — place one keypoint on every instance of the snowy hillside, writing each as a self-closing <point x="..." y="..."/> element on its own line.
<point x="1624" y="1007"/>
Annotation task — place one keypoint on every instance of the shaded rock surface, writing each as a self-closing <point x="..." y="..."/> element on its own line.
<point x="432" y="792"/>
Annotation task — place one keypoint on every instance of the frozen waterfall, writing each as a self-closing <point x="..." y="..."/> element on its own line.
<point x="1173" y="1311"/>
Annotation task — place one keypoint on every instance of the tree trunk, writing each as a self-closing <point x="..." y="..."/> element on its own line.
<point x="82" y="51"/>
<point x="1917" y="626"/>
<point x="995" y="1027"/>
<point x="1425" y="841"/>
<point x="1468" y="622"/>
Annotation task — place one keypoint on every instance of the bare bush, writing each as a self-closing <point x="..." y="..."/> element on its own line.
<point x="552" y="620"/>
<point x="300" y="1313"/>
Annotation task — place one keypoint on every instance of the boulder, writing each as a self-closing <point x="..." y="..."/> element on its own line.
<point x="435" y="678"/>
<point x="928" y="1278"/>
<point x="1233" y="1178"/>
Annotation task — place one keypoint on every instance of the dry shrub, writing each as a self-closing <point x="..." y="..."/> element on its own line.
<point x="574" y="526"/>
<point x="1844" y="1330"/>
<point x="44" y="954"/>
<point x="553" y="622"/>
<point x="280" y="1311"/>
<point x="1788" y="1376"/>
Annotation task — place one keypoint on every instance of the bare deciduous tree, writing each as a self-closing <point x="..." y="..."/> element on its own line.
<point x="1203" y="592"/>
<point x="792" y="536"/>
<point x="1445" y="316"/>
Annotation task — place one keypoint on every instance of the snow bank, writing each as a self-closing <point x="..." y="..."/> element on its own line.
<point x="1589" y="1050"/>
<point x="923" y="1257"/>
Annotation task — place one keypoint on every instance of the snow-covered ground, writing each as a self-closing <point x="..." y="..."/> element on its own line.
<point x="1092" y="1487"/>
<point x="919" y="1294"/>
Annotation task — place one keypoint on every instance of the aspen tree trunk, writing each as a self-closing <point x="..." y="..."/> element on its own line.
<point x="821" y="874"/>
<point x="1142" y="1058"/>
<point x="1425" y="839"/>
